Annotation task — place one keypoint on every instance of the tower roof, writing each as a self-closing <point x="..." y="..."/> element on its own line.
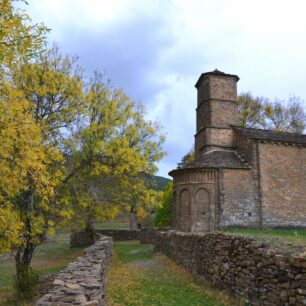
<point x="216" y="72"/>
<point x="216" y="159"/>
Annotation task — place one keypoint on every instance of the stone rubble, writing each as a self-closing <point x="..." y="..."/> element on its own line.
<point x="82" y="282"/>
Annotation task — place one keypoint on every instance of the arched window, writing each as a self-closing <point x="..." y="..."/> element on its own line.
<point x="201" y="211"/>
<point x="184" y="210"/>
<point x="174" y="211"/>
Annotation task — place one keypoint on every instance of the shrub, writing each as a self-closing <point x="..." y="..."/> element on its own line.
<point x="164" y="212"/>
<point x="25" y="286"/>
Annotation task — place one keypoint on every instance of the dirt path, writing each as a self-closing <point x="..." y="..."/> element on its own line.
<point x="137" y="276"/>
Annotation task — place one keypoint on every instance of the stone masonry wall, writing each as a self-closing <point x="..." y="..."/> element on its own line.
<point x="240" y="206"/>
<point x="145" y="234"/>
<point x="120" y="235"/>
<point x="219" y="137"/>
<point x="82" y="239"/>
<point x="82" y="282"/>
<point x="283" y="185"/>
<point x="218" y="88"/>
<point x="247" y="150"/>
<point x="243" y="266"/>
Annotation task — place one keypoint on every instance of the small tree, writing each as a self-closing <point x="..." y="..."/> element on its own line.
<point x="186" y="159"/>
<point x="118" y="144"/>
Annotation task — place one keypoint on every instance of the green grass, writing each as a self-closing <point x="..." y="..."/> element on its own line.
<point x="133" y="251"/>
<point x="137" y="276"/>
<point x="286" y="241"/>
<point x="286" y="233"/>
<point x="50" y="257"/>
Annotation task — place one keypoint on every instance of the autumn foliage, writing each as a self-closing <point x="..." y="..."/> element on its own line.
<point x="73" y="149"/>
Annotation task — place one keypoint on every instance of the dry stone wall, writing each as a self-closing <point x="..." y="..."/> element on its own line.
<point x="240" y="265"/>
<point x="82" y="282"/>
<point x="82" y="238"/>
<point x="120" y="235"/>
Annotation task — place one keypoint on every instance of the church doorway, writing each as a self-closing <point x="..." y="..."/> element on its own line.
<point x="201" y="211"/>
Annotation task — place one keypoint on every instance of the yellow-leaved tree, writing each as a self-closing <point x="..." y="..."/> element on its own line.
<point x="111" y="151"/>
<point x="28" y="178"/>
<point x="100" y="133"/>
<point x="59" y="136"/>
<point x="24" y="156"/>
<point x="20" y="39"/>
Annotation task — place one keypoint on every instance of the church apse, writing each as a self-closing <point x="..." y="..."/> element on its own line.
<point x="195" y="200"/>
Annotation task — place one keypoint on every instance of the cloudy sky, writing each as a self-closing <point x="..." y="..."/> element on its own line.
<point x="155" y="50"/>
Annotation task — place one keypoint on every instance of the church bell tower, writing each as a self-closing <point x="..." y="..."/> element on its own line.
<point x="216" y="111"/>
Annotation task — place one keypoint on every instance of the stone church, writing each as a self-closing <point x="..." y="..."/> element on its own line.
<point x="241" y="176"/>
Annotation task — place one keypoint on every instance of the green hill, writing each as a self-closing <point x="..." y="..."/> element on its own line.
<point x="158" y="182"/>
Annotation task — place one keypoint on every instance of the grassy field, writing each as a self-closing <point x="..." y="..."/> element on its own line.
<point x="49" y="258"/>
<point x="286" y="241"/>
<point x="137" y="276"/>
<point x="122" y="222"/>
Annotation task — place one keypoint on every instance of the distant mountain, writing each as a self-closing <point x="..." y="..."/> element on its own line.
<point x="158" y="182"/>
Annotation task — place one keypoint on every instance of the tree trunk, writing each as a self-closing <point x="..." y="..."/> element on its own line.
<point x="89" y="225"/>
<point x="24" y="253"/>
<point x="23" y="260"/>
<point x="133" y="222"/>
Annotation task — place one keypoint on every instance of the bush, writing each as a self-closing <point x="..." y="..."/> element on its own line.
<point x="25" y="286"/>
<point x="164" y="212"/>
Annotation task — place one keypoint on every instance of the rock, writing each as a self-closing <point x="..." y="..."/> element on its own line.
<point x="81" y="298"/>
<point x="73" y="286"/>
<point x="91" y="303"/>
<point x="301" y="291"/>
<point x="58" y="282"/>
<point x="45" y="299"/>
<point x="93" y="286"/>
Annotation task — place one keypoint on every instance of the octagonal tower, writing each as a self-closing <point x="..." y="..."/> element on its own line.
<point x="197" y="196"/>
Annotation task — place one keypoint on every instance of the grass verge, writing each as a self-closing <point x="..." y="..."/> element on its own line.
<point x="137" y="276"/>
<point x="287" y="241"/>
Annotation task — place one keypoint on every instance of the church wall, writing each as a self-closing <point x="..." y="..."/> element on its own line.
<point x="219" y="137"/>
<point x="186" y="186"/>
<point x="246" y="149"/>
<point x="200" y="140"/>
<point x="213" y="138"/>
<point x="203" y="115"/>
<point x="239" y="204"/>
<point x="283" y="185"/>
<point x="223" y="114"/>
<point x="218" y="87"/>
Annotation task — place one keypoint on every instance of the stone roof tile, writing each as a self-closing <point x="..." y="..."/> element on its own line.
<point x="217" y="159"/>
<point x="270" y="135"/>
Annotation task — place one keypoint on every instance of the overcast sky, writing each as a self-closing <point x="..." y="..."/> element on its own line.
<point x="156" y="50"/>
